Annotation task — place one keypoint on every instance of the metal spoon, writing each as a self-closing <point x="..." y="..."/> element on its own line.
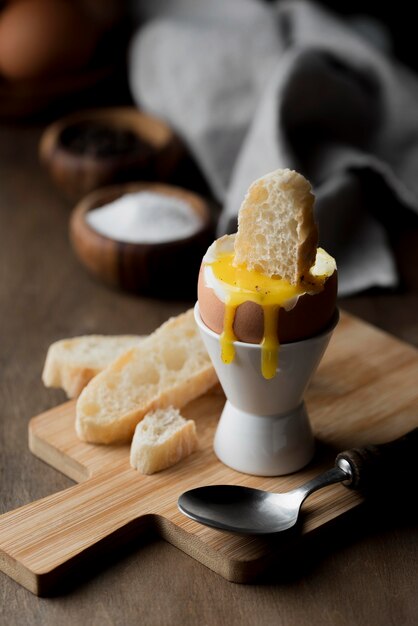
<point x="254" y="512"/>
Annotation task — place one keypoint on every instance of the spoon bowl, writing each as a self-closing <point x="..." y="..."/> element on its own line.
<point x="255" y="512"/>
<point x="251" y="511"/>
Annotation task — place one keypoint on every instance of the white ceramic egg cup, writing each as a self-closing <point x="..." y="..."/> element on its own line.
<point x="264" y="428"/>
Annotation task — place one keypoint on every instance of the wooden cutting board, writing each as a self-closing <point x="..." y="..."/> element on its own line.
<point x="364" y="391"/>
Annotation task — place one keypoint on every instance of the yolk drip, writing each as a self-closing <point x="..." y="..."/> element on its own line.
<point x="242" y="285"/>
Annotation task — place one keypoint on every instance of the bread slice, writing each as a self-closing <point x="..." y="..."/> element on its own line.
<point x="71" y="363"/>
<point x="162" y="439"/>
<point x="170" y="367"/>
<point x="277" y="234"/>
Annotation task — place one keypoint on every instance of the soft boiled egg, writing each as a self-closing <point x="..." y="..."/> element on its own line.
<point x="249" y="306"/>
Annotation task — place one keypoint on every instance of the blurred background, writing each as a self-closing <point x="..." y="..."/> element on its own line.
<point x="228" y="92"/>
<point x="103" y="42"/>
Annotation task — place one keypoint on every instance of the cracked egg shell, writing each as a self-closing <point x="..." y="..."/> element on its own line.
<point x="310" y="315"/>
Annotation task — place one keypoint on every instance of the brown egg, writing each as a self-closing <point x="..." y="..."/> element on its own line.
<point x="311" y="314"/>
<point x="44" y="37"/>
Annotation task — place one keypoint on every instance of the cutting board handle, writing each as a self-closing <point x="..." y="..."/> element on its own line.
<point x="377" y="468"/>
<point x="40" y="541"/>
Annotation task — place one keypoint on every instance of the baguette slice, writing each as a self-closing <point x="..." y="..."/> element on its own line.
<point x="170" y="367"/>
<point x="277" y="234"/>
<point x="162" y="439"/>
<point x="71" y="363"/>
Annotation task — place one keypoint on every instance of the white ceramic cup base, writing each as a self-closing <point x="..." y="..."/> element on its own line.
<point x="264" y="428"/>
<point x="269" y="445"/>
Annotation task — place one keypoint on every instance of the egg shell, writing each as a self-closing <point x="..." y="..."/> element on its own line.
<point x="310" y="315"/>
<point x="44" y="37"/>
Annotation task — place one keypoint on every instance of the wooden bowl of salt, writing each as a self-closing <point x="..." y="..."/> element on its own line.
<point x="145" y="238"/>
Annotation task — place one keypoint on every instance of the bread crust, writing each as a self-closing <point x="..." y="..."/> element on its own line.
<point x="70" y="364"/>
<point x="170" y="367"/>
<point x="162" y="439"/>
<point x="277" y="234"/>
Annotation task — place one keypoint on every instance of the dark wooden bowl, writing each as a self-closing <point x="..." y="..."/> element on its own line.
<point x="164" y="270"/>
<point x="79" y="173"/>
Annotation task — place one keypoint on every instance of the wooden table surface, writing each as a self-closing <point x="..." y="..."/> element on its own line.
<point x="363" y="571"/>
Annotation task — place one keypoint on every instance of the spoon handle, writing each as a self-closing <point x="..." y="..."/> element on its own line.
<point x="382" y="465"/>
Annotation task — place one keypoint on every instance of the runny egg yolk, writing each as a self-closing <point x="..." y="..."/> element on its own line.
<point x="271" y="293"/>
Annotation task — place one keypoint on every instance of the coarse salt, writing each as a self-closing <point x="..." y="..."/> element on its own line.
<point x="145" y="217"/>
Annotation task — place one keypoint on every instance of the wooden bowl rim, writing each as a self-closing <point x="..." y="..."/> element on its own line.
<point x="116" y="116"/>
<point x="105" y="195"/>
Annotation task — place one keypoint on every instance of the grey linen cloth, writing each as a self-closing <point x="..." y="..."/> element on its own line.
<point x="252" y="87"/>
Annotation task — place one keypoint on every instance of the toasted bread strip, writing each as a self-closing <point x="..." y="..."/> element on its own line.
<point x="71" y="363"/>
<point x="170" y="367"/>
<point x="162" y="439"/>
<point x="277" y="234"/>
